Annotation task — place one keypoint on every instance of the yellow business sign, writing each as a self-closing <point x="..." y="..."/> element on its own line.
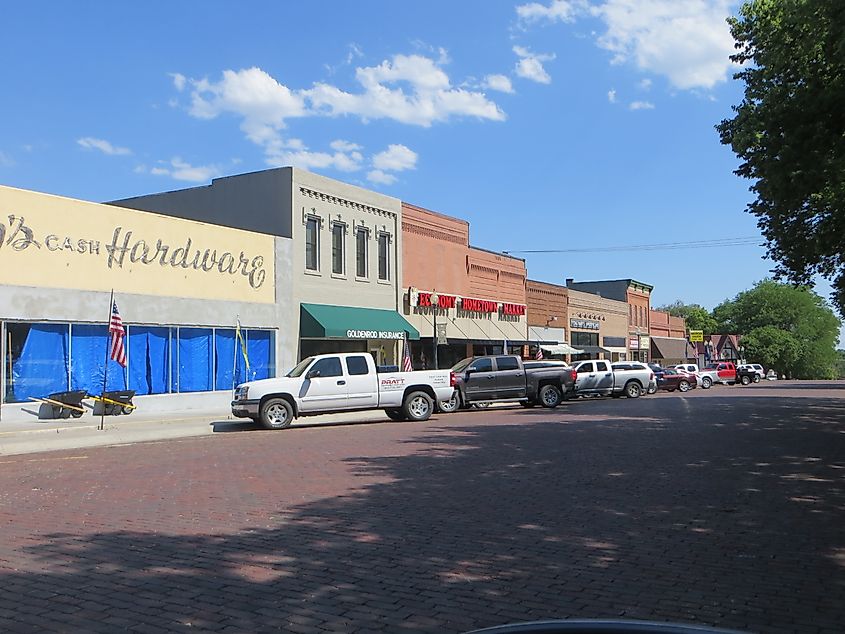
<point x="696" y="335"/>
<point x="55" y="242"/>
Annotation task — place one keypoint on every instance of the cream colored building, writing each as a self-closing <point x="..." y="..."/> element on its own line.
<point x="597" y="325"/>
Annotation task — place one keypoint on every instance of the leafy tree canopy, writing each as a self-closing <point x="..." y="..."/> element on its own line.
<point x="789" y="132"/>
<point x="791" y="327"/>
<point x="698" y="317"/>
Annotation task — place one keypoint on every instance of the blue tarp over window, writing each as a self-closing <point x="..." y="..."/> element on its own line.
<point x="194" y="360"/>
<point x="260" y="352"/>
<point x="227" y="360"/>
<point x="148" y="359"/>
<point x="88" y="354"/>
<point x="42" y="367"/>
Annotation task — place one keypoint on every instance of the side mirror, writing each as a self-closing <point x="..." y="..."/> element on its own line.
<point x="312" y="374"/>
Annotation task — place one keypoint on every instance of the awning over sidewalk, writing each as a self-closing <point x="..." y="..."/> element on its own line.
<point x="616" y="350"/>
<point x="561" y="348"/>
<point x="668" y="348"/>
<point x="593" y="350"/>
<point x="323" y="321"/>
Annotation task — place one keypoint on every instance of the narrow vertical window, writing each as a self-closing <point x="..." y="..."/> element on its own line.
<point x="338" y="251"/>
<point x="384" y="256"/>
<point x="312" y="244"/>
<point x="361" y="236"/>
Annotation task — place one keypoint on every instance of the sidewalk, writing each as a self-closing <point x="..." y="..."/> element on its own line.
<point x="53" y="435"/>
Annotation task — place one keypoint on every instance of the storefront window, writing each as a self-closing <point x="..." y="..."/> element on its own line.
<point x="88" y="348"/>
<point x="192" y="362"/>
<point x="149" y="359"/>
<point x="384" y="256"/>
<point x="579" y="339"/>
<point x="36" y="360"/>
<point x="261" y="353"/>
<point x="312" y="244"/>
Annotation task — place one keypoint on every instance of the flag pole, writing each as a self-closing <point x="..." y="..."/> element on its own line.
<point x="106" y="367"/>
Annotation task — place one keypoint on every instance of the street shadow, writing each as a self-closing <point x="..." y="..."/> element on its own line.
<point x="725" y="511"/>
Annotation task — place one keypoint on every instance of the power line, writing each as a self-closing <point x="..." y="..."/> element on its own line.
<point x="663" y="246"/>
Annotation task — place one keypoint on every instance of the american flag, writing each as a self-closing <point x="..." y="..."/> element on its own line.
<point x="539" y="354"/>
<point x="117" y="334"/>
<point x="407" y="366"/>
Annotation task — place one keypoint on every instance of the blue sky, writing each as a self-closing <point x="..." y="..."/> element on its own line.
<point x="548" y="124"/>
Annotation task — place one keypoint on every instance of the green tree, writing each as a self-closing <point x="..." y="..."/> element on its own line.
<point x="774" y="315"/>
<point x="789" y="132"/>
<point x="698" y="317"/>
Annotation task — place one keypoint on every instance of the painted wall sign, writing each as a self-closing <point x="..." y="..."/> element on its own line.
<point x="584" y="324"/>
<point x="54" y="242"/>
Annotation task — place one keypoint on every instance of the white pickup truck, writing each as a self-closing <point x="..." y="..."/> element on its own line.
<point x="338" y="383"/>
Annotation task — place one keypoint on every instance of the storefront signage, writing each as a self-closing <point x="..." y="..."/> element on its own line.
<point x="479" y="305"/>
<point x="375" y="334"/>
<point x="443" y="301"/>
<point x="48" y="241"/>
<point x="584" y="324"/>
<point x="634" y="343"/>
<point x="513" y="309"/>
<point x="644" y="342"/>
<point x="696" y="336"/>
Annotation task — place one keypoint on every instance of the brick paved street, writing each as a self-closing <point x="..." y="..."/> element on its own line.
<point x="723" y="507"/>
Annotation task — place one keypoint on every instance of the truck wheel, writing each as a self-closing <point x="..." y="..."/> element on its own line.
<point x="418" y="406"/>
<point x="651" y="390"/>
<point x="756" y="378"/>
<point x="706" y="382"/>
<point x="447" y="407"/>
<point x="683" y="386"/>
<point x="745" y="380"/>
<point x="633" y="389"/>
<point x="395" y="414"/>
<point x="276" y="413"/>
<point x="550" y="396"/>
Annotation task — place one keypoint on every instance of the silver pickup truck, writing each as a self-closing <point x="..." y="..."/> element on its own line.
<point x="600" y="377"/>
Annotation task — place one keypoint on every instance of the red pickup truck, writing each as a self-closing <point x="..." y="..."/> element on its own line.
<point x="719" y="372"/>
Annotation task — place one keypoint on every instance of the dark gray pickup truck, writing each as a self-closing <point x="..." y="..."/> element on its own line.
<point x="505" y="378"/>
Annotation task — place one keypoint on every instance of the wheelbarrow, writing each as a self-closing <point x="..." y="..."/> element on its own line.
<point x="116" y="402"/>
<point x="64" y="404"/>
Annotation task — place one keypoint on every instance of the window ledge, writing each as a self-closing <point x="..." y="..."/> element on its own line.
<point x="385" y="282"/>
<point x="362" y="279"/>
<point x="315" y="273"/>
<point x="338" y="276"/>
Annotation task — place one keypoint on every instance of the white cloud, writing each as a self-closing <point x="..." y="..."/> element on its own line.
<point x="6" y="160"/>
<point x="530" y="65"/>
<point x="611" y="96"/>
<point x="410" y="89"/>
<point x="90" y="143"/>
<point x="641" y="105"/>
<point x="501" y="83"/>
<point x="378" y="176"/>
<point x="645" y="84"/>
<point x="557" y="11"/>
<point x="687" y="41"/>
<point x="182" y="171"/>
<point x="344" y="146"/>
<point x="395" y="158"/>
<point x="179" y="81"/>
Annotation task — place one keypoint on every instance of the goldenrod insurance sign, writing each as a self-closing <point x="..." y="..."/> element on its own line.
<point x="55" y="242"/>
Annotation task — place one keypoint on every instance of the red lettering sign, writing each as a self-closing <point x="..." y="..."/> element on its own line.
<point x="513" y="309"/>
<point x="443" y="301"/>
<point x="479" y="305"/>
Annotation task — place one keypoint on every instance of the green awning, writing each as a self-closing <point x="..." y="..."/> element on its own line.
<point x="322" y="321"/>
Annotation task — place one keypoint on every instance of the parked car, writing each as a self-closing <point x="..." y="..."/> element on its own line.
<point x="719" y="372"/>
<point x="692" y="369"/>
<point x="757" y="368"/>
<point x="599" y="377"/>
<point x="341" y="382"/>
<point x="676" y="380"/>
<point x="505" y="378"/>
